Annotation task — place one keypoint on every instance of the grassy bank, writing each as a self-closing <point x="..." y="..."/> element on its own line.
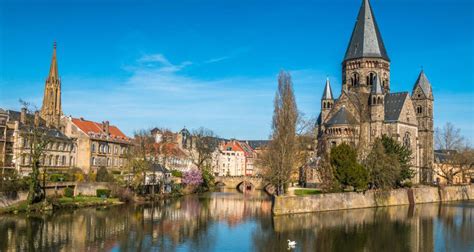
<point x="60" y="203"/>
<point x="303" y="192"/>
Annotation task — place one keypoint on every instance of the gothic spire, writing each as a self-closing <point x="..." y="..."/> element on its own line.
<point x="424" y="84"/>
<point x="366" y="40"/>
<point x="53" y="69"/>
<point x="327" y="94"/>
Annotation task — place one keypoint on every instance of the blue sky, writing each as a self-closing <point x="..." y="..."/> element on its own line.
<point x="214" y="63"/>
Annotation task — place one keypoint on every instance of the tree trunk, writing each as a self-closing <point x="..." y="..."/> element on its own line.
<point x="35" y="193"/>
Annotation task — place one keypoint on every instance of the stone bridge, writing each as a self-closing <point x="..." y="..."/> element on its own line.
<point x="243" y="183"/>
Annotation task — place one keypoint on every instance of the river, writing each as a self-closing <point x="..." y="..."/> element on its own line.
<point x="230" y="221"/>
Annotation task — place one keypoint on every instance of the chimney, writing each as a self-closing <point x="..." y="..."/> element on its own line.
<point x="37" y="118"/>
<point x="23" y="116"/>
<point x="105" y="127"/>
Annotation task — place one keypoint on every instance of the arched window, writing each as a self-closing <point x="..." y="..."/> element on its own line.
<point x="101" y="148"/>
<point x="406" y="140"/>
<point x="324" y="105"/>
<point x="93" y="147"/>
<point x="93" y="161"/>
<point x="64" y="160"/>
<point x="371" y="78"/>
<point x="379" y="100"/>
<point x="419" y="110"/>
<point x="373" y="100"/>
<point x="355" y="79"/>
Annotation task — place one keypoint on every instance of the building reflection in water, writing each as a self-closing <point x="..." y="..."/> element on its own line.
<point x="204" y="223"/>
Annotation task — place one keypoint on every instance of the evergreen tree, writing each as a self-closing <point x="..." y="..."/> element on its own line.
<point x="347" y="170"/>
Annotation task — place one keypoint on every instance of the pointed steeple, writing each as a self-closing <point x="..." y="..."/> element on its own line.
<point x="366" y="40"/>
<point x="53" y="69"/>
<point x="376" y="87"/>
<point x="327" y="94"/>
<point x="424" y="84"/>
<point x="51" y="110"/>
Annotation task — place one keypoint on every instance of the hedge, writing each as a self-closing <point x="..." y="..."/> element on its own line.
<point x="103" y="193"/>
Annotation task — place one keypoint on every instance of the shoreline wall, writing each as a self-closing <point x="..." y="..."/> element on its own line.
<point x="353" y="200"/>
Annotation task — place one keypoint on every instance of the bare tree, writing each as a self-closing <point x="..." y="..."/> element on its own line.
<point x="205" y="143"/>
<point x="449" y="137"/>
<point x="456" y="156"/>
<point x="138" y="164"/>
<point x="280" y="159"/>
<point x="37" y="139"/>
<point x="456" y="163"/>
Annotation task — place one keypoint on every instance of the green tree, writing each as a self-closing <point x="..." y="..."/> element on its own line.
<point x="103" y="175"/>
<point x="404" y="156"/>
<point x="347" y="170"/>
<point x="383" y="168"/>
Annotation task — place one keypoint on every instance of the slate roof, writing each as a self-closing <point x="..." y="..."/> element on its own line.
<point x="327" y="94"/>
<point x="424" y="84"/>
<point x="441" y="156"/>
<point x="255" y="144"/>
<point x="342" y="117"/>
<point x="366" y="40"/>
<point x="394" y="105"/>
<point x="159" y="168"/>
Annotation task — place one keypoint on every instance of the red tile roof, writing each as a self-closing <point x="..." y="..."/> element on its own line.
<point x="90" y="127"/>
<point x="238" y="146"/>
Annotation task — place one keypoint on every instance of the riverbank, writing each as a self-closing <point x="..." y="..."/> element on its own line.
<point x="51" y="204"/>
<point x="352" y="200"/>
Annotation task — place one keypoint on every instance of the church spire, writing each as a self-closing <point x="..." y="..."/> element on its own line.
<point x="51" y="110"/>
<point x="53" y="69"/>
<point x="366" y="40"/>
<point x="327" y="94"/>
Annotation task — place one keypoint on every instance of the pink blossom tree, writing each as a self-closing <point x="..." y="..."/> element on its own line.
<point x="192" y="177"/>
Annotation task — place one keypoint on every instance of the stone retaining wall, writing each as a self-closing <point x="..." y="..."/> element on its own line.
<point x="8" y="200"/>
<point x="90" y="189"/>
<point x="352" y="200"/>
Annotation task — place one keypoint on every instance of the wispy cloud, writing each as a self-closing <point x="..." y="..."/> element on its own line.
<point x="215" y="60"/>
<point x="153" y="95"/>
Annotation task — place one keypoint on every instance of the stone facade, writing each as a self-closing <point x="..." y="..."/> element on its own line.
<point x="98" y="144"/>
<point x="60" y="151"/>
<point x="367" y="110"/>
<point x="235" y="158"/>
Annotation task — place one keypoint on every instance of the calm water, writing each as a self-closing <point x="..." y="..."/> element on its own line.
<point x="229" y="221"/>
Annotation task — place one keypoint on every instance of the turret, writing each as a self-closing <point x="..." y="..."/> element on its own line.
<point x="377" y="101"/>
<point x="422" y="97"/>
<point x="327" y="101"/>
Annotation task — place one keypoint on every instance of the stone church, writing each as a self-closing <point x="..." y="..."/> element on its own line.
<point x="366" y="109"/>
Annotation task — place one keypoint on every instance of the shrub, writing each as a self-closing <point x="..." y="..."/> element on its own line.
<point x="68" y="192"/>
<point x="384" y="168"/>
<point x="103" y="193"/>
<point x="58" y="177"/>
<point x="177" y="174"/>
<point x="346" y="168"/>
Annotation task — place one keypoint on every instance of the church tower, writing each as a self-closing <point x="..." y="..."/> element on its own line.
<point x="366" y="56"/>
<point x="51" y="110"/>
<point x="377" y="109"/>
<point x="327" y="101"/>
<point x="422" y="97"/>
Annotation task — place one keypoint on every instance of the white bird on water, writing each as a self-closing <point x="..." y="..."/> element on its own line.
<point x="291" y="244"/>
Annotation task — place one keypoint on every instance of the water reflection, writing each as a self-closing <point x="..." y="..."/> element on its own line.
<point x="229" y="221"/>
